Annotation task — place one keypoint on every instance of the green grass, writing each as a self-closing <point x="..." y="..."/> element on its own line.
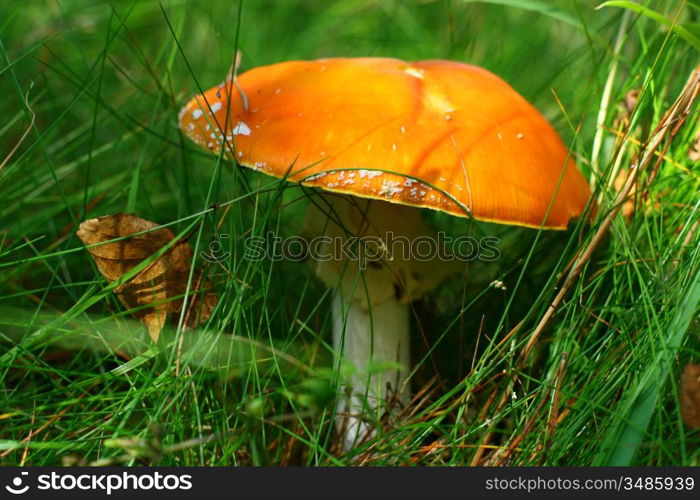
<point x="80" y="383"/>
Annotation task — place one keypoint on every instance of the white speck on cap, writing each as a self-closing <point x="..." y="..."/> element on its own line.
<point x="370" y="173"/>
<point x="196" y="114"/>
<point x="390" y="188"/>
<point x="418" y="73"/>
<point x="316" y="176"/>
<point x="241" y="128"/>
<point x="216" y="107"/>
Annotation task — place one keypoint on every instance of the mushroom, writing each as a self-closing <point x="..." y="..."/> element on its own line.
<point x="384" y="138"/>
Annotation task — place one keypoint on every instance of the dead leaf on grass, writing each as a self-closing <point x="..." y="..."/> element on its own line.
<point x="690" y="395"/>
<point x="162" y="284"/>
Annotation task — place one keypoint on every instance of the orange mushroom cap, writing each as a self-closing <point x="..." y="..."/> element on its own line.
<point x="435" y="134"/>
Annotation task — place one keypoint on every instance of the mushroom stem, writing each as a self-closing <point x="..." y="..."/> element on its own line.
<point x="368" y="255"/>
<point x="374" y="349"/>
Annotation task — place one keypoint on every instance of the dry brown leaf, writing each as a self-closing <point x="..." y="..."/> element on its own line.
<point x="690" y="395"/>
<point x="157" y="284"/>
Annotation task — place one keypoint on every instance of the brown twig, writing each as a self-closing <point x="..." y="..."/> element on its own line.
<point x="554" y="416"/>
<point x="25" y="453"/>
<point x="26" y="132"/>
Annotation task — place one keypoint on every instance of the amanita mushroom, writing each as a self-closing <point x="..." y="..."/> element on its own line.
<point x="388" y="138"/>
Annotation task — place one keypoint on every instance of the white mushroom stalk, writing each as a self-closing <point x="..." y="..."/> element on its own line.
<point x="365" y="339"/>
<point x="367" y="251"/>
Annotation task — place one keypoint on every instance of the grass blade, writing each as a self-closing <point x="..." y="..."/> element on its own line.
<point x="682" y="31"/>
